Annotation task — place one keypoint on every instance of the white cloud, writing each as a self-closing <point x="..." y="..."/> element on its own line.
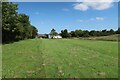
<point x="93" y="4"/>
<point x="98" y="0"/>
<point x="91" y="19"/>
<point x="81" y="7"/>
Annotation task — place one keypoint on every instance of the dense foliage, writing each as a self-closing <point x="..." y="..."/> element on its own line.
<point x="15" y="26"/>
<point x="86" y="33"/>
<point x="64" y="33"/>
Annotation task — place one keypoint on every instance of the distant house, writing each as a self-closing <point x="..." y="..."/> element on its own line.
<point x="42" y="36"/>
<point x="57" y="36"/>
<point x="48" y="36"/>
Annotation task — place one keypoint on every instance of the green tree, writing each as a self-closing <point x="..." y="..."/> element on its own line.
<point x="104" y="32"/>
<point x="34" y="31"/>
<point x="8" y="21"/>
<point x="78" y="33"/>
<point x="72" y="33"/>
<point x="64" y="33"/>
<point x="118" y="31"/>
<point x="53" y="33"/>
<point x="93" y="33"/>
<point x="86" y="33"/>
<point x="15" y="26"/>
<point x="111" y="32"/>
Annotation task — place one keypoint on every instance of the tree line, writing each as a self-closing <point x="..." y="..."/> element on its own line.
<point x="85" y="33"/>
<point x="15" y="26"/>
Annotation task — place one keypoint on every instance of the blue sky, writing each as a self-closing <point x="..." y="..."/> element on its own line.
<point x="70" y="15"/>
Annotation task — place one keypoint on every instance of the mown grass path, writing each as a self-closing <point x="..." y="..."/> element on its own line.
<point x="54" y="58"/>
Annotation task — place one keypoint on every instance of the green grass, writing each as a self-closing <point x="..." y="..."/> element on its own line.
<point x="60" y="58"/>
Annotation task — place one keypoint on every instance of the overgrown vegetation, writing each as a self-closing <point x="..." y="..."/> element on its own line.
<point x="15" y="26"/>
<point x="114" y="37"/>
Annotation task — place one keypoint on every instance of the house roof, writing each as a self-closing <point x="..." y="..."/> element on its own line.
<point x="42" y="35"/>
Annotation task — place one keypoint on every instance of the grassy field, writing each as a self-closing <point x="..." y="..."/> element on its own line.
<point x="60" y="58"/>
<point x="114" y="37"/>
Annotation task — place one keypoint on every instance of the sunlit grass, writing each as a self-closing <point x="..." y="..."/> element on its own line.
<point x="54" y="58"/>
